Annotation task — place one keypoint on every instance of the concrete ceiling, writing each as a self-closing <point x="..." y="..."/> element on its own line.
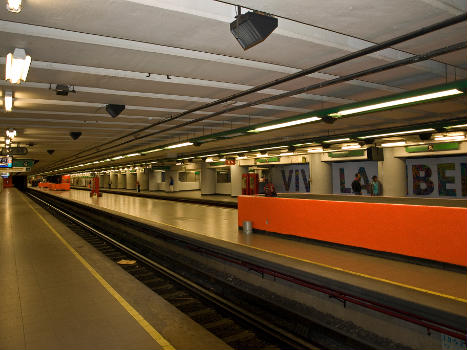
<point x="162" y="57"/>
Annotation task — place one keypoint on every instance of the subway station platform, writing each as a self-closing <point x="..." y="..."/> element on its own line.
<point x="58" y="292"/>
<point x="430" y="287"/>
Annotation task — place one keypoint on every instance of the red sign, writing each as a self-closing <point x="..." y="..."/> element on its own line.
<point x="230" y="162"/>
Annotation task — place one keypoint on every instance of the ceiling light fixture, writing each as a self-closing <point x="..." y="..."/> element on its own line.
<point x="398" y="102"/>
<point x="456" y="126"/>
<point x="133" y="154"/>
<point x="393" y="144"/>
<point x="153" y="150"/>
<point x="180" y="145"/>
<point x="11" y="133"/>
<point x="286" y="124"/>
<point x="17" y="66"/>
<point x="7" y="141"/>
<point x="286" y="154"/>
<point x="351" y="146"/>
<point x="450" y="137"/>
<point x="14" y="6"/>
<point x="8" y="101"/>
<point x="337" y="140"/>
<point x="315" y="150"/>
<point x="397" y="133"/>
<point x="117" y="157"/>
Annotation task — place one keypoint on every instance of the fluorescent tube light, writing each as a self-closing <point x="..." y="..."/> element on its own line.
<point x="242" y="157"/>
<point x="180" y="145"/>
<point x="398" y="102"/>
<point x="315" y="150"/>
<point x="286" y="154"/>
<point x="234" y="152"/>
<point x="456" y="126"/>
<point x="117" y="157"/>
<point x="8" y="101"/>
<point x="11" y="133"/>
<point x="351" y="146"/>
<point x="222" y="160"/>
<point x="337" y="140"/>
<point x="7" y="141"/>
<point x="209" y="160"/>
<point x="17" y="66"/>
<point x="268" y="148"/>
<point x="153" y="150"/>
<point x="133" y="154"/>
<point x="393" y="144"/>
<point x="449" y="138"/>
<point x="396" y="133"/>
<point x="286" y="124"/>
<point x="209" y="155"/>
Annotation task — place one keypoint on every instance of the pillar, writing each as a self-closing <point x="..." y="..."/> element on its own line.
<point x="143" y="178"/>
<point x="113" y="180"/>
<point x="101" y="181"/>
<point x="121" y="181"/>
<point x="106" y="180"/>
<point x="320" y="175"/>
<point x="155" y="179"/>
<point x="131" y="181"/>
<point x="393" y="174"/>
<point x="236" y="172"/>
<point x="208" y="180"/>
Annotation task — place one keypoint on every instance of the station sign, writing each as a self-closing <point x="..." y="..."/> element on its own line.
<point x="23" y="163"/>
<point x="6" y="162"/>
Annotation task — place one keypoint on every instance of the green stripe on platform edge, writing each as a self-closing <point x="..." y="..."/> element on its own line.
<point x="350" y="153"/>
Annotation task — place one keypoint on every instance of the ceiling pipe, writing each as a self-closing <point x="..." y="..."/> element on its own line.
<point x="330" y="63"/>
<point x="352" y="76"/>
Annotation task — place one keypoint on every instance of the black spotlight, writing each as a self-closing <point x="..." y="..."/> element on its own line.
<point x="251" y="28"/>
<point x="369" y="141"/>
<point x="114" y="110"/>
<point x="50" y="151"/>
<point x="291" y="148"/>
<point x="75" y="135"/>
<point x="328" y="119"/>
<point x="425" y="136"/>
<point x="62" y="90"/>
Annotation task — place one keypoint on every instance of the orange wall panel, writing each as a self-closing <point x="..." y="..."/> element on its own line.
<point x="429" y="232"/>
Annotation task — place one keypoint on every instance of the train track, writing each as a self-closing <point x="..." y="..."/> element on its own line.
<point x="238" y="326"/>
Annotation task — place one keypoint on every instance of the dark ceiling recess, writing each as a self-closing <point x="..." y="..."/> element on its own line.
<point x="251" y="28"/>
<point x="425" y="136"/>
<point x="75" y="135"/>
<point x="114" y="110"/>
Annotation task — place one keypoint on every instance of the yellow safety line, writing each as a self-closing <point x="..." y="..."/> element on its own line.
<point x="338" y="268"/>
<point x="130" y="309"/>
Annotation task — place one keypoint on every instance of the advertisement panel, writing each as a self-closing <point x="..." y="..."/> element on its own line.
<point x="437" y="177"/>
<point x="291" y="178"/>
<point x="344" y="173"/>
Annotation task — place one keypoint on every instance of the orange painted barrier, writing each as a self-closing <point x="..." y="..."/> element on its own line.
<point x="428" y="232"/>
<point x="60" y="187"/>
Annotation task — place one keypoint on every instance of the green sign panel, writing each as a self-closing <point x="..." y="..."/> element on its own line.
<point x="22" y="163"/>
<point x="350" y="153"/>
<point x="437" y="147"/>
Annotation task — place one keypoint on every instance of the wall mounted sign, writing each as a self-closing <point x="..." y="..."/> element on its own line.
<point x="291" y="178"/>
<point x="344" y="173"/>
<point x="437" y="177"/>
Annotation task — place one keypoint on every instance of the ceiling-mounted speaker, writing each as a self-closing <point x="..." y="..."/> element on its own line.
<point x="251" y="28"/>
<point x="50" y="151"/>
<point x="328" y="119"/>
<point x="75" y="135"/>
<point x="425" y="136"/>
<point x="62" y="90"/>
<point x="114" y="110"/>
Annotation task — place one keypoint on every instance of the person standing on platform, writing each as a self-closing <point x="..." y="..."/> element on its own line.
<point x="138" y="188"/>
<point x="356" y="185"/>
<point x="171" y="184"/>
<point x="269" y="190"/>
<point x="376" y="186"/>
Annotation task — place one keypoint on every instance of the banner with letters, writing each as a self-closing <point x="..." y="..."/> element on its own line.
<point x="291" y="178"/>
<point x="437" y="177"/>
<point x="344" y="173"/>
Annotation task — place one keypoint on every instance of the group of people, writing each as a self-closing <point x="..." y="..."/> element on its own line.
<point x="374" y="189"/>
